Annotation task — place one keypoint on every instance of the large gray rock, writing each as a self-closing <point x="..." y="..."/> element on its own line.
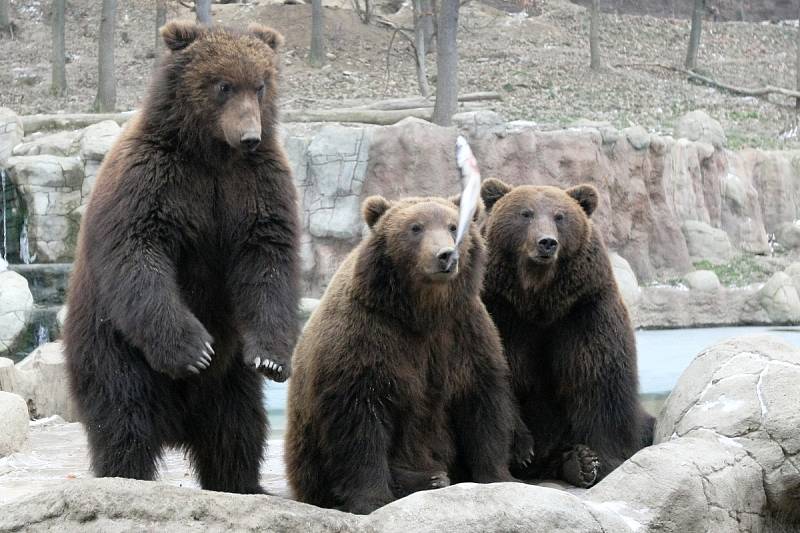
<point x="702" y="280"/>
<point x="61" y="143"/>
<point x="780" y="299"/>
<point x="688" y="485"/>
<point x="698" y="126"/>
<point x="678" y="307"/>
<point x="788" y="235"/>
<point x="16" y="306"/>
<point x="793" y="271"/>
<point x="744" y="393"/>
<point x="705" y="242"/>
<point x="626" y="279"/>
<point x="11" y="133"/>
<point x="42" y="380"/>
<point x="14" y="423"/>
<point x="97" y="140"/>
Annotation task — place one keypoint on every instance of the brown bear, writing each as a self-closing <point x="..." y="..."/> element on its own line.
<point x="399" y="383"/>
<point x="565" y="330"/>
<point x="186" y="277"/>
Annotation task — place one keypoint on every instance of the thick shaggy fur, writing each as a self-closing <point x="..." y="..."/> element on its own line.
<point x="188" y="239"/>
<point x="399" y="383"/>
<point x="565" y="331"/>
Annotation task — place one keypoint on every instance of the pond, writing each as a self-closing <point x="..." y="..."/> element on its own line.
<point x="663" y="355"/>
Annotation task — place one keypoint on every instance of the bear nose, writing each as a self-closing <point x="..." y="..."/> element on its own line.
<point x="547" y="246"/>
<point x="250" y="141"/>
<point x="445" y="257"/>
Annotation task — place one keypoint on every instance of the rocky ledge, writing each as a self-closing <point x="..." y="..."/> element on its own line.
<point x="725" y="460"/>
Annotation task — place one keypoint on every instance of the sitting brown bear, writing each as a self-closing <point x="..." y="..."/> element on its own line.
<point x="566" y="333"/>
<point x="399" y="382"/>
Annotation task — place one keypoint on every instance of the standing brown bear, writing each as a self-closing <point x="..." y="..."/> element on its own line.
<point x="399" y="381"/>
<point x="566" y="332"/>
<point x="186" y="277"/>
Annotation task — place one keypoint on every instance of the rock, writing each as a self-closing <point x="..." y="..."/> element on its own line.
<point x="678" y="307"/>
<point x="744" y="394"/>
<point x="698" y="126"/>
<point x="44" y="374"/>
<point x="638" y="137"/>
<point x="687" y="485"/>
<point x="780" y="298"/>
<point x="793" y="271"/>
<point x="788" y="235"/>
<point x="741" y="216"/>
<point x="16" y="306"/>
<point x="14" y="421"/>
<point x="62" y="143"/>
<point x="702" y="280"/>
<point x="477" y="121"/>
<point x="11" y="133"/>
<point x="707" y="243"/>
<point x="507" y="507"/>
<point x="626" y="279"/>
<point x="98" y="138"/>
<point x="775" y="177"/>
<point x="114" y="504"/>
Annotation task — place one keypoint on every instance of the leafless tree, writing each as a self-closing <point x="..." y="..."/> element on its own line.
<point x="426" y="16"/>
<point x="5" y="16"/>
<point x="202" y="9"/>
<point x="421" y="50"/>
<point x="596" y="62"/>
<point x="161" y="19"/>
<point x="364" y="12"/>
<point x="694" y="35"/>
<point x="106" y="82"/>
<point x="317" y="56"/>
<point x="58" y="83"/>
<point x="446" y="63"/>
<point x="797" y="71"/>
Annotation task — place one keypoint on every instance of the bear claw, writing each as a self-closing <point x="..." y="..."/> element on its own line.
<point x="581" y="466"/>
<point x="270" y="368"/>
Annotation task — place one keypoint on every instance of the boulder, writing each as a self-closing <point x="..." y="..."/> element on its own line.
<point x="44" y="375"/>
<point x="16" y="306"/>
<point x="626" y="279"/>
<point x="779" y="298"/>
<point x="702" y="280"/>
<point x="61" y="143"/>
<point x="98" y="138"/>
<point x="788" y="235"/>
<point x="793" y="271"/>
<point x="707" y="243"/>
<point x="638" y="137"/>
<point x="744" y="394"/>
<point x="11" y="133"/>
<point x="14" y="421"/>
<point x="698" y="126"/>
<point x="687" y="485"/>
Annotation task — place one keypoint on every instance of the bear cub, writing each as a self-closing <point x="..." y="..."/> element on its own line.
<point x="566" y="333"/>
<point x="399" y="383"/>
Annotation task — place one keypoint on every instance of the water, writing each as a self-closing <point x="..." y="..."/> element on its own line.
<point x="24" y="248"/>
<point x="42" y="335"/>
<point x="3" y="176"/>
<point x="663" y="356"/>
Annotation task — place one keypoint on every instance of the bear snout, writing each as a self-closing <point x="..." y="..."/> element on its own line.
<point x="447" y="260"/>
<point x="250" y="140"/>
<point x="545" y="250"/>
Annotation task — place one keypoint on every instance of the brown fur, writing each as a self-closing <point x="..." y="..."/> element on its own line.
<point x="190" y="237"/>
<point x="565" y="330"/>
<point x="399" y="383"/>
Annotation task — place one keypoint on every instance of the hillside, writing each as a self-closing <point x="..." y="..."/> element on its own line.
<point x="538" y="62"/>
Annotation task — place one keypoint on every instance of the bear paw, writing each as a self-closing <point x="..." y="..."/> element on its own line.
<point x="581" y="466"/>
<point x="272" y="368"/>
<point x="522" y="450"/>
<point x="405" y="482"/>
<point x="439" y="480"/>
<point x="193" y="356"/>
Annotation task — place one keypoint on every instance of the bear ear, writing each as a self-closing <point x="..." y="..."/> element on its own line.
<point x="492" y="190"/>
<point x="268" y="35"/>
<point x="179" y="34"/>
<point x="373" y="208"/>
<point x="586" y="195"/>
<point x="478" y="208"/>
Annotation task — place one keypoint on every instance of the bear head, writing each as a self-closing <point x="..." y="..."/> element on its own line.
<point x="219" y="82"/>
<point x="538" y="226"/>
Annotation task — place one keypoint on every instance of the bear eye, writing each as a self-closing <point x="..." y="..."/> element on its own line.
<point x="224" y="88"/>
<point x="416" y="228"/>
<point x="559" y="217"/>
<point x="527" y="213"/>
<point x="260" y="90"/>
<point x="452" y="228"/>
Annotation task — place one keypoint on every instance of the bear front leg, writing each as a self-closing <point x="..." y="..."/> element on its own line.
<point x="522" y="446"/>
<point x="143" y="302"/>
<point x="265" y="290"/>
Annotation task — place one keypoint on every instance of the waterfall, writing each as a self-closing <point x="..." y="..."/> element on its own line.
<point x="3" y="175"/>
<point x="24" y="250"/>
<point x="42" y="335"/>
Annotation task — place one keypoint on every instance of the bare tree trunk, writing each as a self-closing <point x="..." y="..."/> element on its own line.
<point x="797" y="71"/>
<point x="426" y="14"/>
<point x="58" y="83"/>
<point x="317" y="56"/>
<point x="106" y="82"/>
<point x="596" y="62"/>
<point x="5" y="16"/>
<point x="202" y="9"/>
<point x="161" y="19"/>
<point x="446" y="63"/>
<point x="694" y="35"/>
<point x="419" y="43"/>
